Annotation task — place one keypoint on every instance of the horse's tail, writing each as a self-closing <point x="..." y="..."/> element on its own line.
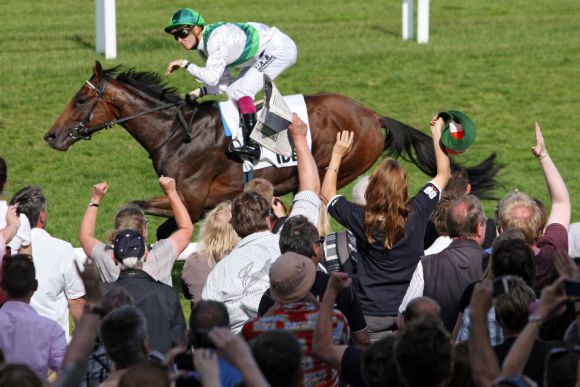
<point x="410" y="144"/>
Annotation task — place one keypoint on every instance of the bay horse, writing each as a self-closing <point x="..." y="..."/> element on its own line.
<point x="185" y="139"/>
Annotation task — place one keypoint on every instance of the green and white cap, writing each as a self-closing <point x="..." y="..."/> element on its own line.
<point x="185" y="17"/>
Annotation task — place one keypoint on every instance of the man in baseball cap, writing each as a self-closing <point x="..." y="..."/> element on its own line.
<point x="159" y="302"/>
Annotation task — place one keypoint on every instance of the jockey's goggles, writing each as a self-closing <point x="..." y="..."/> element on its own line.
<point x="181" y="33"/>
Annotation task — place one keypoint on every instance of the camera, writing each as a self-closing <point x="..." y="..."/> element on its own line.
<point x="184" y="361"/>
<point x="200" y="339"/>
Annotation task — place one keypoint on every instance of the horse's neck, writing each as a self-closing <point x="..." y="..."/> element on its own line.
<point x="150" y="129"/>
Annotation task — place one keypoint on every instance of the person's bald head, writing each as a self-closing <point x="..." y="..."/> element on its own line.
<point x="421" y="307"/>
<point x="466" y="219"/>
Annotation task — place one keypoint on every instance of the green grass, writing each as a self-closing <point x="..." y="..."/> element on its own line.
<point x="504" y="63"/>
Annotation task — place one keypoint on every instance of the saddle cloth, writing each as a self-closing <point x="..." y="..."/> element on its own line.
<point x="231" y="121"/>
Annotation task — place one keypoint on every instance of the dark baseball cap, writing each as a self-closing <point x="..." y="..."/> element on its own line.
<point x="128" y="244"/>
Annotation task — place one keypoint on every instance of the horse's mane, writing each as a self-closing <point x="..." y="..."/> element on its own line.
<point x="148" y="82"/>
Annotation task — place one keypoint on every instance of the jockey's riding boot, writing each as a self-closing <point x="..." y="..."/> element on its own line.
<point x="250" y="150"/>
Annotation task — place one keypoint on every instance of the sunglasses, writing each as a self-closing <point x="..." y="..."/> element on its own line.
<point x="182" y="33"/>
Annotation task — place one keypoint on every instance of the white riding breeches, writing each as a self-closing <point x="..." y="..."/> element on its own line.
<point x="280" y="54"/>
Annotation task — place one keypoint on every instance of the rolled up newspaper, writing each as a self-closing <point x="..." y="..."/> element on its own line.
<point x="271" y="130"/>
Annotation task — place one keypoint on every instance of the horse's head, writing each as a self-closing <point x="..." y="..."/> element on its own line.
<point x="77" y="121"/>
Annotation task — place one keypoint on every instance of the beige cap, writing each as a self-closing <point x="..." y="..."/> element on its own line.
<point x="291" y="277"/>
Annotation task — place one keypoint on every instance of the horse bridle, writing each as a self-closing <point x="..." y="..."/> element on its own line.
<point x="83" y="132"/>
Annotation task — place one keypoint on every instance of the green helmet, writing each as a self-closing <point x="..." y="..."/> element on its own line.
<point x="185" y="17"/>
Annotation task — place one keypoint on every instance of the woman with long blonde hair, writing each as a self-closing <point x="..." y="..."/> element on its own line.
<point x="216" y="239"/>
<point x="389" y="229"/>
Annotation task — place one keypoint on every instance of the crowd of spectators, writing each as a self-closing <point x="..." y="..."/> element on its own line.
<point x="421" y="290"/>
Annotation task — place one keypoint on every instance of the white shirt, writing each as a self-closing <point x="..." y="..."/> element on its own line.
<point x="415" y="288"/>
<point x="58" y="280"/>
<point x="440" y="244"/>
<point x="224" y="46"/>
<point x="240" y="279"/>
<point x="417" y="285"/>
<point x="22" y="237"/>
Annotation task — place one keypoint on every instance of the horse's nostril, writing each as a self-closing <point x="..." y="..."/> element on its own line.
<point x="49" y="138"/>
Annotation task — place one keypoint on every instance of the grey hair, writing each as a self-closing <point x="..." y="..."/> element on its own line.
<point x="31" y="202"/>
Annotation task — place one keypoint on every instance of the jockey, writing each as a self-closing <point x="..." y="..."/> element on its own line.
<point x="254" y="47"/>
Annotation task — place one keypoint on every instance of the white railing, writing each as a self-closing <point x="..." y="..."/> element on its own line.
<point x="191" y="248"/>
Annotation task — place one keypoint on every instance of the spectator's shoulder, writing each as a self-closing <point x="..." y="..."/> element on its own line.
<point x="41" y="234"/>
<point x="555" y="234"/>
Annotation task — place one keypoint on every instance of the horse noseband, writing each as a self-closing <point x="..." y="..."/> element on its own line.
<point x="81" y="131"/>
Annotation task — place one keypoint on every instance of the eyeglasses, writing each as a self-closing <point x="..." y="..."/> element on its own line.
<point x="181" y="33"/>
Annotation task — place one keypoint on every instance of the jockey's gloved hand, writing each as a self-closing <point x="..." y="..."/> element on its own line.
<point x="195" y="94"/>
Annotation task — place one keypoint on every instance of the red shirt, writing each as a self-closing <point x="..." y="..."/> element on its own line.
<point x="555" y="238"/>
<point x="300" y="320"/>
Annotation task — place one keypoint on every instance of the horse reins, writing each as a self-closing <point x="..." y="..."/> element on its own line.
<point x="82" y="132"/>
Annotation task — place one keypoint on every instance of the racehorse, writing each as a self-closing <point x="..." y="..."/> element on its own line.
<point x="185" y="139"/>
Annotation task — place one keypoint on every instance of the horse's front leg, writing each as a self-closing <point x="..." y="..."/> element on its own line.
<point x="157" y="206"/>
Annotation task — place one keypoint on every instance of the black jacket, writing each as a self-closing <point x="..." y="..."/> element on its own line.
<point x="160" y="305"/>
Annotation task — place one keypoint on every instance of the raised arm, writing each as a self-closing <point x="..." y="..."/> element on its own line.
<point x="519" y="353"/>
<point x="308" y="179"/>
<point x="237" y="352"/>
<point x="12" y="224"/>
<point x="482" y="359"/>
<point x="441" y="158"/>
<point x="323" y="345"/>
<point x="83" y="340"/>
<point x="87" y="231"/>
<point x="341" y="147"/>
<point x="559" y="196"/>
<point x="182" y="236"/>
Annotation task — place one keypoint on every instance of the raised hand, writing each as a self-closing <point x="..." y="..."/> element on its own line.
<point x="174" y="65"/>
<point x="436" y="124"/>
<point x="343" y="143"/>
<point x="167" y="183"/>
<point x="297" y="128"/>
<point x="551" y="298"/>
<point x="99" y="190"/>
<point x="206" y="364"/>
<point x="482" y="297"/>
<point x="229" y="345"/>
<point x="91" y="280"/>
<point x="539" y="150"/>
<point x="12" y="218"/>
<point x="339" y="281"/>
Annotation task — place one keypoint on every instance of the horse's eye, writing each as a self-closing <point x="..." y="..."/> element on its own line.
<point x="79" y="102"/>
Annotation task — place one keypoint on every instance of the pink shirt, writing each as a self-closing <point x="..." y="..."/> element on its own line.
<point x="29" y="338"/>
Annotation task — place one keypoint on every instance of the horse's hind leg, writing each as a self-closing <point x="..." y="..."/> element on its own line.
<point x="166" y="228"/>
<point x="158" y="206"/>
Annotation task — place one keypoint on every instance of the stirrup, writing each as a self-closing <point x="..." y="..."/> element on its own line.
<point x="246" y="151"/>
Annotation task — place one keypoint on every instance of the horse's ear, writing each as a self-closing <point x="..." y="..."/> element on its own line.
<point x="97" y="71"/>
